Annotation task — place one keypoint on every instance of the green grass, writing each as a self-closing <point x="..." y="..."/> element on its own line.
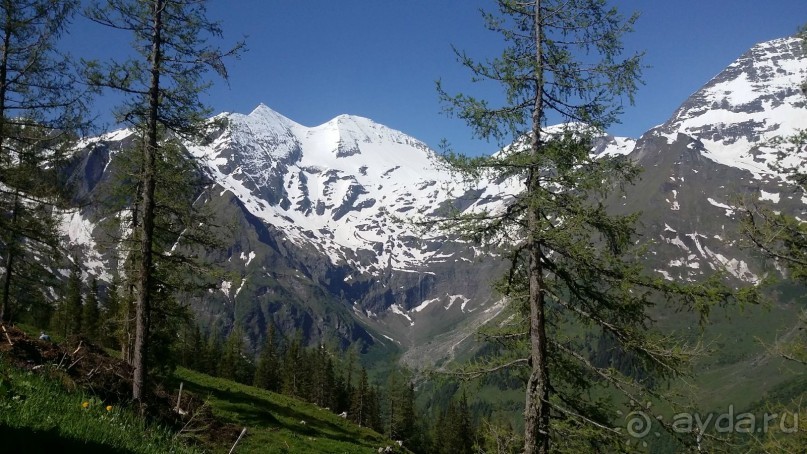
<point x="37" y="414"/>
<point x="273" y="421"/>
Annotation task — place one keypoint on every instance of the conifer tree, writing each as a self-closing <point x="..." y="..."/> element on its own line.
<point x="182" y="226"/>
<point x="392" y="403"/>
<point x="110" y="328"/>
<point x="374" y="420"/>
<point x="294" y="367"/>
<point x="192" y="348"/>
<point x="68" y="316"/>
<point x="90" y="314"/>
<point x="400" y="408"/>
<point x="212" y="356"/>
<point x="573" y="263"/>
<point x="39" y="112"/>
<point x="231" y="350"/>
<point x="162" y="85"/>
<point x="73" y="303"/>
<point x="234" y="365"/>
<point x="407" y="424"/>
<point x="322" y="375"/>
<point x="344" y="383"/>
<point x="454" y="431"/>
<point x="360" y="402"/>
<point x="266" y="371"/>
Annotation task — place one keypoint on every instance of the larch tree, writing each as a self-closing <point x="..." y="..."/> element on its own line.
<point x="39" y="114"/>
<point x="162" y="84"/>
<point x="574" y="265"/>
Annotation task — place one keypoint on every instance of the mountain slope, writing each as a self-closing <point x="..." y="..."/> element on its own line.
<point x="755" y="99"/>
<point x="715" y="153"/>
<point x="326" y="239"/>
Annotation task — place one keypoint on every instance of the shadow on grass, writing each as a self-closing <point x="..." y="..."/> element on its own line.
<point x="255" y="411"/>
<point x="25" y="440"/>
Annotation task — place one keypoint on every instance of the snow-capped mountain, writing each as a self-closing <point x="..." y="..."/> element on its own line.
<point x="327" y="239"/>
<point x="754" y="100"/>
<point x="715" y="153"/>
<point x="347" y="185"/>
<point x="335" y="186"/>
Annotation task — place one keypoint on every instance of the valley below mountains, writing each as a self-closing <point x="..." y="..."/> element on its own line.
<point x="326" y="234"/>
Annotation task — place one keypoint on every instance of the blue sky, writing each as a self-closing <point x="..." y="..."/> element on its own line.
<point x="312" y="60"/>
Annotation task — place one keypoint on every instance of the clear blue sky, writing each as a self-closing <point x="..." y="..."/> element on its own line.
<point x="312" y="60"/>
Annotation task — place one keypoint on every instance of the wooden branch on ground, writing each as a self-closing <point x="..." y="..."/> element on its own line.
<point x="7" y="336"/>
<point x="243" y="431"/>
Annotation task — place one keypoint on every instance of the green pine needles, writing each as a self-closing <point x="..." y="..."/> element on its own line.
<point x="575" y="269"/>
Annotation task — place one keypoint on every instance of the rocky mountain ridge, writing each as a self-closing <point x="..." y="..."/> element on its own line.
<point x="328" y="241"/>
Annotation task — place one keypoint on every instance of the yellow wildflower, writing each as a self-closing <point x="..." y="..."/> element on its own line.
<point x="85" y="404"/>
<point x="109" y="408"/>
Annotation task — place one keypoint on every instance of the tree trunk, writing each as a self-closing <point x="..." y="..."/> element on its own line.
<point x="9" y="265"/>
<point x="143" y="307"/>
<point x="127" y="338"/>
<point x="536" y="411"/>
<point x="5" y="312"/>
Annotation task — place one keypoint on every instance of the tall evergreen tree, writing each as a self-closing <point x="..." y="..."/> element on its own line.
<point x="110" y="327"/>
<point x="68" y="316"/>
<point x="192" y="347"/>
<point x="73" y="303"/>
<point x="91" y="314"/>
<point x="266" y="371"/>
<point x="294" y="368"/>
<point x="374" y="420"/>
<point x="574" y="264"/>
<point x="344" y="383"/>
<point x="39" y="112"/>
<point x="212" y="356"/>
<point x="400" y="408"/>
<point x="182" y="226"/>
<point x="163" y="85"/>
<point x="234" y="365"/>
<point x="360" y="402"/>
<point x="454" y="431"/>
<point x="323" y="379"/>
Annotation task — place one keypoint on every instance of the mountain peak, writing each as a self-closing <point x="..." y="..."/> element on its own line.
<point x="348" y="118"/>
<point x="355" y="126"/>
<point x="264" y="113"/>
<point x="756" y="98"/>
